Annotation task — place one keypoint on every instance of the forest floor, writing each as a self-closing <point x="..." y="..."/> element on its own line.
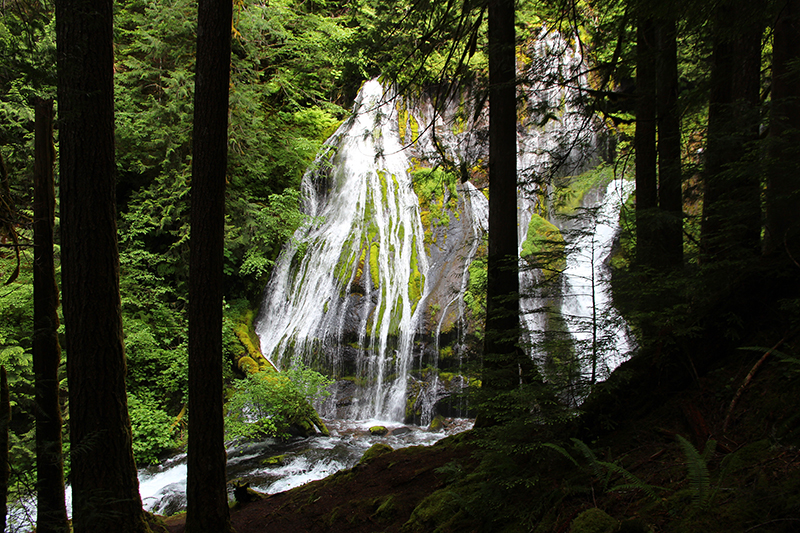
<point x="638" y="476"/>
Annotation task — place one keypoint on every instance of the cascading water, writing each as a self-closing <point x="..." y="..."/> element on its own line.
<point x="372" y="292"/>
<point x="349" y="287"/>
<point x="595" y="325"/>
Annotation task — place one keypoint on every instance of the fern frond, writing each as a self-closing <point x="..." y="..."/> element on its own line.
<point x="697" y="469"/>
<point x="634" y="483"/>
<point x="560" y="450"/>
<point x="590" y="456"/>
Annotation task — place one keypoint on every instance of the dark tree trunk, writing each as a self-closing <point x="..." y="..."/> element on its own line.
<point x="501" y="350"/>
<point x="645" y="143"/>
<point x="5" y="467"/>
<point x="731" y="221"/>
<point x="207" y="497"/>
<point x="105" y="489"/>
<point x="670" y="197"/>
<point x="51" y="511"/>
<point x="783" y="161"/>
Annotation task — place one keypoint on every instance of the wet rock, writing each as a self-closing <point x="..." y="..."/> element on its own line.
<point x="374" y="451"/>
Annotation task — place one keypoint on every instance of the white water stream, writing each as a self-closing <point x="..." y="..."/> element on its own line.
<point x="600" y="333"/>
<point x="364" y="262"/>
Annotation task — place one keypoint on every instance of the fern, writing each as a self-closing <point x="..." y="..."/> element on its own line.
<point x="697" y="469"/>
<point x="604" y="470"/>
<point x="634" y="483"/>
<point x="591" y="457"/>
<point x="560" y="450"/>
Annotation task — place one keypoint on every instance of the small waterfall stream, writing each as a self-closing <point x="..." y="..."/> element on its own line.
<point x="595" y="325"/>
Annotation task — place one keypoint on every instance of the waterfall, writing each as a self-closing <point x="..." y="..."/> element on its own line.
<point x="345" y="294"/>
<point x="373" y="291"/>
<point x="592" y="320"/>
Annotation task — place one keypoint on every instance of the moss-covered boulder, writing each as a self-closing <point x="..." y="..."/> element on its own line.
<point x="594" y="520"/>
<point x="378" y="431"/>
<point x="437" y="424"/>
<point x="376" y="450"/>
<point x="275" y="460"/>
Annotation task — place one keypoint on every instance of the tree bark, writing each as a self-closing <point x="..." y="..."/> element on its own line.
<point x="5" y="421"/>
<point x="731" y="220"/>
<point x="670" y="194"/>
<point x="207" y="497"/>
<point x="783" y="156"/>
<point x="501" y="349"/>
<point x="645" y="143"/>
<point x="51" y="511"/>
<point x="105" y="489"/>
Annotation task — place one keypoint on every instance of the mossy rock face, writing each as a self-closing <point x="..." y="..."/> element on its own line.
<point x="594" y="520"/>
<point x="437" y="424"/>
<point x="378" y="431"/>
<point x="376" y="450"/>
<point x="247" y="365"/>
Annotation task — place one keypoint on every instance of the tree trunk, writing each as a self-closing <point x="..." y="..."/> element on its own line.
<point x="5" y="421"/>
<point x="501" y="349"/>
<point x="670" y="197"/>
<point x="783" y="161"/>
<point x="645" y="143"/>
<point x="51" y="511"/>
<point x="207" y="497"/>
<point x="105" y="489"/>
<point x="731" y="221"/>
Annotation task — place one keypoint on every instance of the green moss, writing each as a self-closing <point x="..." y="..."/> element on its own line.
<point x="374" y="250"/>
<point x="571" y="190"/>
<point x="376" y="450"/>
<point x="414" y="128"/>
<point x="440" y="511"/>
<point x="544" y="247"/>
<point x="446" y="352"/>
<point x="430" y="186"/>
<point x="247" y="365"/>
<point x="275" y="460"/>
<point x="378" y="430"/>
<point x="402" y="119"/>
<point x="386" y="511"/>
<point x="437" y="424"/>
<point x="384" y="186"/>
<point x="254" y="359"/>
<point x="594" y="520"/>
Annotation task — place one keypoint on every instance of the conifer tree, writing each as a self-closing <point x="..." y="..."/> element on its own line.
<point x="207" y="501"/>
<point x="105" y="488"/>
<point x="51" y="511"/>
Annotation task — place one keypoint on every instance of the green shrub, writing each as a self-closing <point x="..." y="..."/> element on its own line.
<point x="268" y="403"/>
<point x="152" y="430"/>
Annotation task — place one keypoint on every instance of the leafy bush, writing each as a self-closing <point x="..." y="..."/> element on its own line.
<point x="268" y="403"/>
<point x="152" y="430"/>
